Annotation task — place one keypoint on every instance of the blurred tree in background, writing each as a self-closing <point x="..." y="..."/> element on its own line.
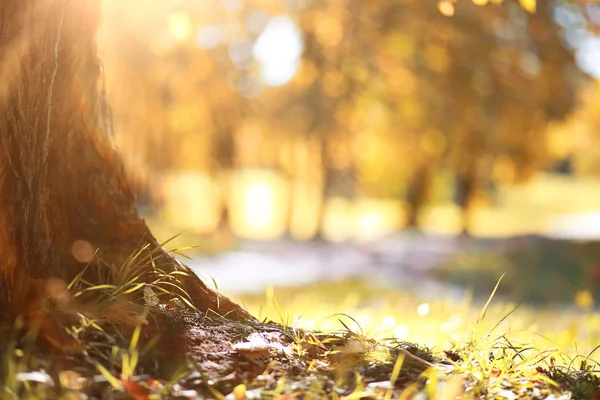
<point x="419" y="102"/>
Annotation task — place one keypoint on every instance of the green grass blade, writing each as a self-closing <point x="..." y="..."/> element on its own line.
<point x="487" y="304"/>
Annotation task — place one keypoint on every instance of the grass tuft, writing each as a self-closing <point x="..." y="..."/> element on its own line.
<point x="136" y="335"/>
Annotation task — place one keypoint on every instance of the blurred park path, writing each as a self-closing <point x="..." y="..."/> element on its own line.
<point x="539" y="270"/>
<point x="403" y="260"/>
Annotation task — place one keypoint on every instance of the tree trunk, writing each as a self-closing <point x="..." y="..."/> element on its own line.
<point x="465" y="190"/>
<point x="62" y="179"/>
<point x="326" y="189"/>
<point x="417" y="193"/>
<point x="223" y="166"/>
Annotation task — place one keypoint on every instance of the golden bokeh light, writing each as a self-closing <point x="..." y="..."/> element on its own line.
<point x="446" y="7"/>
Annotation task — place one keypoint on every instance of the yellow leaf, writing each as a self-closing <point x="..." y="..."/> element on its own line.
<point x="584" y="299"/>
<point x="529" y="5"/>
<point x="239" y="392"/>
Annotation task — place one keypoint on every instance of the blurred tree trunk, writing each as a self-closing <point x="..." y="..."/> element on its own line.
<point x="288" y="166"/>
<point x="223" y="166"/>
<point x="224" y="161"/>
<point x="61" y="177"/>
<point x="326" y="187"/>
<point x="466" y="185"/>
<point x="417" y="193"/>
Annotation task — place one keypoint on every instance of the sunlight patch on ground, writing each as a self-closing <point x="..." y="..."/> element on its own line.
<point x="383" y="312"/>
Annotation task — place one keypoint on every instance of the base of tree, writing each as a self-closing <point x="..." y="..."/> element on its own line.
<point x="186" y="354"/>
<point x="171" y="353"/>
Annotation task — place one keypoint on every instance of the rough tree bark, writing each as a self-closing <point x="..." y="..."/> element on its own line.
<point x="61" y="177"/>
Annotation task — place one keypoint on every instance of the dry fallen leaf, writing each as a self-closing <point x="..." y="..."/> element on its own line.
<point x="72" y="380"/>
